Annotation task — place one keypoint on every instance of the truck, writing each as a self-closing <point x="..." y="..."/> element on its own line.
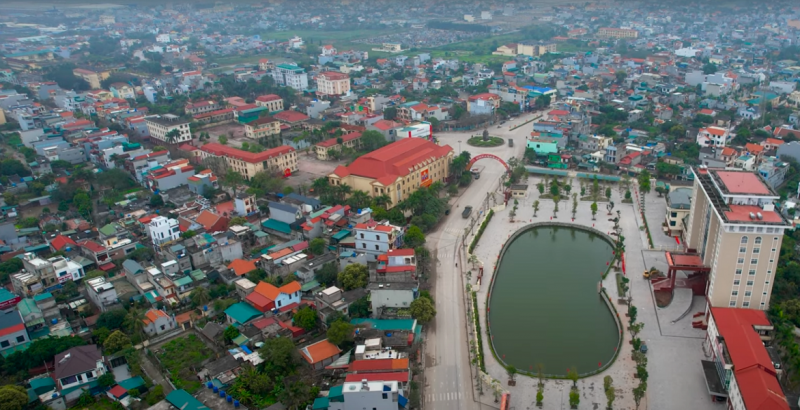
<point x="510" y="142"/>
<point x="466" y="212"/>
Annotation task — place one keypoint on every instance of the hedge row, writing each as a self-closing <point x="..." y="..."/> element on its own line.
<point x="480" y="231"/>
<point x="478" y="331"/>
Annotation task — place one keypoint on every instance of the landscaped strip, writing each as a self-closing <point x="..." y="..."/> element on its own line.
<point x="526" y="122"/>
<point x="480" y="231"/>
<point x="478" y="331"/>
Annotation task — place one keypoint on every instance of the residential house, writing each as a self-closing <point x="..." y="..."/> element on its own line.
<point x="273" y="102"/>
<point x="377" y="239"/>
<point x="713" y="137"/>
<point x="78" y="369"/>
<point x="320" y="354"/>
<point x="157" y="322"/>
<point x="13" y="333"/>
<point x="102" y="293"/>
<point x="267" y="297"/>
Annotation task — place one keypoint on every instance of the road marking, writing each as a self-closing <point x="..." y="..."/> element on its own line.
<point x="434" y="397"/>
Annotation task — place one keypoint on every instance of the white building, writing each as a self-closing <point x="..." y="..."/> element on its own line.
<point x="102" y="293"/>
<point x="163" y="38"/>
<point x="376" y="239"/>
<point x="160" y="125"/>
<point x="290" y="75"/>
<point x="713" y="137"/>
<point x="375" y="395"/>
<point x="157" y="322"/>
<point x="162" y="230"/>
<point x="66" y="269"/>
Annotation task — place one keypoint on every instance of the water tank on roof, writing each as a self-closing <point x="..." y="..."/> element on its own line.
<point x="236" y="404"/>
<point x="205" y="308"/>
<point x="216" y="389"/>
<point x="210" y="385"/>
<point x="222" y="393"/>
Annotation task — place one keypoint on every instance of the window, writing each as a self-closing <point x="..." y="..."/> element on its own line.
<point x="748" y="293"/>
<point x="744" y="239"/>
<point x="377" y="248"/>
<point x="749" y="283"/>
<point x="736" y="282"/>
<point x="751" y="272"/>
<point x="758" y="240"/>
<point x="674" y="214"/>
<point x="740" y="260"/>
<point x="754" y="261"/>
<point x="756" y="250"/>
<point x="671" y="223"/>
<point x="733" y="303"/>
<point x="385" y="395"/>
<point x="735" y="293"/>
<point x="738" y="271"/>
<point x="5" y="343"/>
<point x="20" y="339"/>
<point x="364" y="245"/>
<point x="378" y="237"/>
<point x="742" y="249"/>
<point x="746" y="304"/>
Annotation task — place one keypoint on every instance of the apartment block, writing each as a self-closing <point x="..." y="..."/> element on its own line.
<point x="161" y="125"/>
<point x="273" y="102"/>
<point x="281" y="160"/>
<point x="611" y="32"/>
<point x="734" y="232"/>
<point x="290" y="75"/>
<point x="333" y="83"/>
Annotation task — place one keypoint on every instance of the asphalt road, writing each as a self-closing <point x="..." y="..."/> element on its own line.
<point x="448" y="379"/>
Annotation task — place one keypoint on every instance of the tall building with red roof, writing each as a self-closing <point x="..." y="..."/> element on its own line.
<point x="396" y="170"/>
<point x="273" y="102"/>
<point x="735" y="234"/>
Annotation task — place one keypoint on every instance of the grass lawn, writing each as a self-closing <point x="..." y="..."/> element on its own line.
<point x="492" y="142"/>
<point x="182" y="358"/>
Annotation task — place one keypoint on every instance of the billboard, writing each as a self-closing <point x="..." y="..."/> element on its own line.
<point x="424" y="178"/>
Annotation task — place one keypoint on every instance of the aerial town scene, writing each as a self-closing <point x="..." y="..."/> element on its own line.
<point x="399" y="205"/>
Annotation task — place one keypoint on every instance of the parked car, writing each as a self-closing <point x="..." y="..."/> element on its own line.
<point x="466" y="212"/>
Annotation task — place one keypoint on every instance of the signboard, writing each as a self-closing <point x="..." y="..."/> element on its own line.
<point x="424" y="178"/>
<point x="7" y="304"/>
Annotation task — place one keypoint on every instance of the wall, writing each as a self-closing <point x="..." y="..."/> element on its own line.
<point x="387" y="297"/>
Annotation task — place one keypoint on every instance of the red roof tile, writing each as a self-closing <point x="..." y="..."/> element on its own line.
<point x="291" y="116"/>
<point x="222" y="150"/>
<point x="394" y="160"/>
<point x="334" y="141"/>
<point x="60" y="242"/>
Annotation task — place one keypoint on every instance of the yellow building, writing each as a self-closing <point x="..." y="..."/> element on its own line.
<point x="262" y="128"/>
<point x="506" y="50"/>
<point x="396" y="170"/>
<point x="333" y="83"/>
<point x="351" y="140"/>
<point x="535" y="49"/>
<point x="273" y="102"/>
<point x="92" y="77"/>
<point x="612" y="32"/>
<point x="281" y="160"/>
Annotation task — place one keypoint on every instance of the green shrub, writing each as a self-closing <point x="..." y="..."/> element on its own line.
<point x="480" y="231"/>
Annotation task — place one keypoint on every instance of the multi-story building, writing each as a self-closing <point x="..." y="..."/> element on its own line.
<point x="92" y="77"/>
<point x="741" y="367"/>
<point x="245" y="204"/>
<point x="535" y="49"/>
<point x="333" y="83"/>
<point x="170" y="175"/>
<point x="376" y="239"/>
<point x="102" y="293"/>
<point x="484" y="103"/>
<point x="273" y="102"/>
<point x="12" y="331"/>
<point x="679" y="201"/>
<point x="160" y="125"/>
<point x="281" y="160"/>
<point x="397" y="169"/>
<point x="203" y="181"/>
<point x="713" y="137"/>
<point x="76" y="369"/>
<point x="736" y="233"/>
<point x="201" y="107"/>
<point x="612" y="32"/>
<point x="323" y="149"/>
<point x="163" y="230"/>
<point x="774" y="171"/>
<point x="376" y="395"/>
<point x="290" y="75"/>
<point x="264" y="127"/>
<point x="157" y="321"/>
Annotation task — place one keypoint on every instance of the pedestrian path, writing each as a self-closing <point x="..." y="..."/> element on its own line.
<point x="440" y="397"/>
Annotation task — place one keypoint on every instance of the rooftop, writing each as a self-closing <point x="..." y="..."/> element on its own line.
<point x="225" y="151"/>
<point x="742" y="183"/>
<point x="394" y="160"/>
<point x="167" y="120"/>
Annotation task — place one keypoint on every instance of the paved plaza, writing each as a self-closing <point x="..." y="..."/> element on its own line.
<point x="675" y="375"/>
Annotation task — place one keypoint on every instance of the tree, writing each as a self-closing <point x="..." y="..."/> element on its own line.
<point x="608" y="193"/>
<point x="100" y="335"/>
<point x="572" y="374"/>
<point x="390" y="113"/>
<point x="237" y="220"/>
<point x="542" y="101"/>
<point x="422" y="309"/>
<point x="414" y="237"/>
<point x="360" y="308"/>
<point x="156" y="201"/>
<point x="372" y="140"/>
<point x="134" y="321"/>
<point x="223" y="140"/>
<point x="112" y="319"/>
<point x="233" y="180"/>
<point x="609" y="389"/>
<point x="539" y="396"/>
<point x="116" y="341"/>
<point x="620" y="75"/>
<point x="317" y="246"/>
<point x="359" y="199"/>
<point x="106" y="380"/>
<point x="574" y="398"/>
<point x="297" y="394"/>
<point x="556" y="200"/>
<point x="155" y="395"/>
<point x="638" y="393"/>
<point x="13" y="397"/>
<point x="172" y="136"/>
<point x="709" y="68"/>
<point x="279" y="353"/>
<point x="230" y="333"/>
<point x="188" y="234"/>
<point x="354" y="276"/>
<point x="199" y="296"/>
<point x="644" y="182"/>
<point x="661" y="191"/>
<point x="339" y="332"/>
<point x="512" y="372"/>
<point x="535" y="207"/>
<point x="95" y="273"/>
<point x="327" y="274"/>
<point x="305" y="318"/>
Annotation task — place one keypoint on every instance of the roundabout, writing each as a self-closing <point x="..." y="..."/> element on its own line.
<point x="478" y="141"/>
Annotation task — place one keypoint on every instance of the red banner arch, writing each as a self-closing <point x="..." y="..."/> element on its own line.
<point x="483" y="156"/>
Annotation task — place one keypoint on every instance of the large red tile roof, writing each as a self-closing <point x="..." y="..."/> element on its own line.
<point x="394" y="160"/>
<point x="291" y="116"/>
<point x="59" y="242"/>
<point x="333" y="141"/>
<point x="225" y="151"/>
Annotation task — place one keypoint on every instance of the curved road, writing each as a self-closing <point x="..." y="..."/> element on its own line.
<point x="448" y="379"/>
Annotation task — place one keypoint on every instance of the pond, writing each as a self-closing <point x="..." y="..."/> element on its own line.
<point x="545" y="307"/>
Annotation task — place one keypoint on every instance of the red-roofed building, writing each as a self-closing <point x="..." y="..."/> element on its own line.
<point x="324" y="148"/>
<point x="333" y="83"/>
<point x="212" y="222"/>
<point x="771" y="143"/>
<point x="397" y="169"/>
<point x="242" y="267"/>
<point x="225" y="114"/>
<point x="740" y="368"/>
<point x="291" y="117"/>
<point x="282" y="159"/>
<point x="157" y="322"/>
<point x="273" y="102"/>
<point x="484" y="103"/>
<point x="201" y="107"/>
<point x="271" y="297"/>
<point x="737" y="239"/>
<point x="378" y="366"/>
<point x="171" y="175"/>
<point x="61" y="242"/>
<point x="713" y="137"/>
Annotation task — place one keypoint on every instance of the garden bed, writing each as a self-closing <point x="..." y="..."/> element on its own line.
<point x="182" y="358"/>
<point x="491" y="142"/>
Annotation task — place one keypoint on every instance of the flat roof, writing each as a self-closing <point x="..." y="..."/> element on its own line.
<point x="167" y="122"/>
<point x="742" y="182"/>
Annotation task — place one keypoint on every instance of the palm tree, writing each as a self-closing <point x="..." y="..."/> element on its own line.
<point x="200" y="296"/>
<point x="358" y="199"/>
<point x="535" y="207"/>
<point x="134" y="321"/>
<point x="342" y="191"/>
<point x="436" y="187"/>
<point x="172" y="136"/>
<point x="382" y="200"/>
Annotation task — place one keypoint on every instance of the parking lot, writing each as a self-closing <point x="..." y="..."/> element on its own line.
<point x="310" y="168"/>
